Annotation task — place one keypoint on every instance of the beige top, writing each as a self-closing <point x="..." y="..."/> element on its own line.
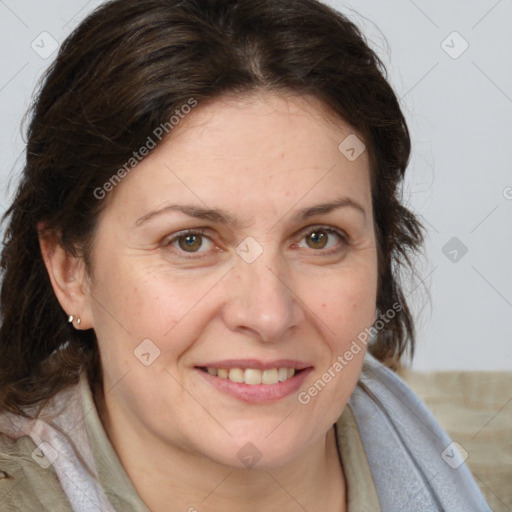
<point x="25" y="486"/>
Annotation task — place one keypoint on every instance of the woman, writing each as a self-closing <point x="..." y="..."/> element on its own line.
<point x="200" y="274"/>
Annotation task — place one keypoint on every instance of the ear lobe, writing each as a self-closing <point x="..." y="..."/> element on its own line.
<point x="68" y="277"/>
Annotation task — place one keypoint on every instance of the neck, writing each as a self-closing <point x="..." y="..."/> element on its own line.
<point x="312" y="481"/>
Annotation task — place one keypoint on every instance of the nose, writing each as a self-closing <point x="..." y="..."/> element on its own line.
<point x="261" y="299"/>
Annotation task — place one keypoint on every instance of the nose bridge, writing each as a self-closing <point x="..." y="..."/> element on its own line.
<point x="262" y="300"/>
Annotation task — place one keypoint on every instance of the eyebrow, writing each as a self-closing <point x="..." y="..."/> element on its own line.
<point x="220" y="216"/>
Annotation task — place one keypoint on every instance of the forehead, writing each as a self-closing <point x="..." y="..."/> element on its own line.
<point x="260" y="123"/>
<point x="251" y="152"/>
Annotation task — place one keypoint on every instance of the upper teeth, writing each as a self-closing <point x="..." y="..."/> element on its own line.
<point x="253" y="375"/>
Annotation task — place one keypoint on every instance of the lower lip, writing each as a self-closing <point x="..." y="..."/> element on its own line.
<point x="257" y="393"/>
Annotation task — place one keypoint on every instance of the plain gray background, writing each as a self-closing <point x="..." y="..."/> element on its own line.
<point x="451" y="65"/>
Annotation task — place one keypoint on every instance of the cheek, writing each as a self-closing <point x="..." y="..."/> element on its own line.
<point x="347" y="309"/>
<point x="347" y="303"/>
<point x="135" y="300"/>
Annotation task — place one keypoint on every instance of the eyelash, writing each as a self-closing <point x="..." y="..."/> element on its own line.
<point x="200" y="231"/>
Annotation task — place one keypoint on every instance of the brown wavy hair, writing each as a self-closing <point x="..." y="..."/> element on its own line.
<point x="123" y="72"/>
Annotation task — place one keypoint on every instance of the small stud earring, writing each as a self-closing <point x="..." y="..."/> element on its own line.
<point x="71" y="318"/>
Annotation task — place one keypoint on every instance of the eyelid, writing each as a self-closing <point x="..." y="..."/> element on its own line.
<point x="331" y="229"/>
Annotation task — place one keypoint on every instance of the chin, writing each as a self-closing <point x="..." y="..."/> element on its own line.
<point x="260" y="451"/>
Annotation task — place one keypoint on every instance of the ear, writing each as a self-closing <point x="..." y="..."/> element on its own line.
<point x="69" y="278"/>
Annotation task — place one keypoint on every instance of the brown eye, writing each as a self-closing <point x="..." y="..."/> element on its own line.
<point x="191" y="242"/>
<point x="318" y="239"/>
<point x="325" y="240"/>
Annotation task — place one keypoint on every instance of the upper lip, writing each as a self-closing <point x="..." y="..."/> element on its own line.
<point x="256" y="364"/>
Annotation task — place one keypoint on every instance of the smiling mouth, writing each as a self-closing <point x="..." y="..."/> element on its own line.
<point x="252" y="376"/>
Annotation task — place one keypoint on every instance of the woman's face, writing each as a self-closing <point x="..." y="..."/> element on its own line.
<point x="266" y="279"/>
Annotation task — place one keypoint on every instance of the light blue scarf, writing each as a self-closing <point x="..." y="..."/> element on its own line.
<point x="413" y="462"/>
